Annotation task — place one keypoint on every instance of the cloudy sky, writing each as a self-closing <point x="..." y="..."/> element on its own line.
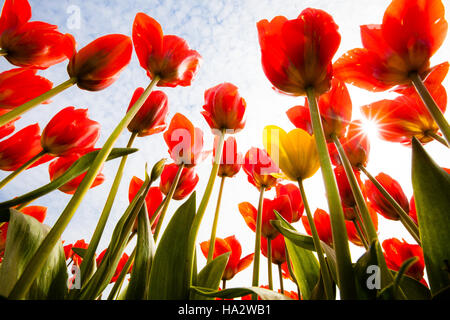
<point x="224" y="33"/>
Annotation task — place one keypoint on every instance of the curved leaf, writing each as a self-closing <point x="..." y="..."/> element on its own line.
<point x="431" y="185"/>
<point x="264" y="294"/>
<point x="77" y="168"/>
<point x="168" y="277"/>
<point x="25" y="234"/>
<point x="210" y="276"/>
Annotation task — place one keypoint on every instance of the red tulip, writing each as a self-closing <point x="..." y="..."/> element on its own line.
<point x="98" y="65"/>
<point x="166" y="56"/>
<point x="352" y="233"/>
<point x="356" y="145"/>
<point x="411" y="32"/>
<point x="186" y="184"/>
<point x="278" y="249"/>
<point x="293" y="192"/>
<point x="259" y="168"/>
<point x="151" y="117"/>
<point x="335" y="108"/>
<point x="31" y="44"/>
<point x="323" y="226"/>
<point x="61" y="165"/>
<point x="70" y="254"/>
<point x="281" y="204"/>
<point x="224" y="108"/>
<point x="380" y="203"/>
<point x="37" y="212"/>
<point x="396" y="252"/>
<point x="412" y="210"/>
<point x="406" y="116"/>
<point x="235" y="263"/>
<point x="8" y="128"/>
<point x="296" y="54"/>
<point x="70" y="131"/>
<point x="231" y="161"/>
<point x="21" y="147"/>
<point x="185" y="142"/>
<point x="345" y="191"/>
<point x="152" y="200"/>
<point x="122" y="262"/>
<point x="20" y="85"/>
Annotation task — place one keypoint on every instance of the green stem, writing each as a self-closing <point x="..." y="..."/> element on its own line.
<point x="86" y="266"/>
<point x="438" y="138"/>
<point x="360" y="233"/>
<point x="315" y="235"/>
<point x="38" y="260"/>
<point x="167" y="200"/>
<point x="367" y="223"/>
<point x="119" y="282"/>
<point x="431" y="105"/>
<point x="280" y="275"/>
<point x="157" y="211"/>
<point x="291" y="272"/>
<point x="3" y="52"/>
<point x="212" y="240"/>
<point x="257" y="252"/>
<point x="404" y="217"/>
<point x="202" y="207"/>
<point x="224" y="284"/>
<point x="269" y="263"/>
<point x="16" y="112"/>
<point x="22" y="168"/>
<point x="345" y="276"/>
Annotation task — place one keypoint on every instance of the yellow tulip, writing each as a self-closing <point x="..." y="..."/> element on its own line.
<point x="294" y="152"/>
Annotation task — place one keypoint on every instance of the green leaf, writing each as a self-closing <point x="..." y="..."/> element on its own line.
<point x="304" y="263"/>
<point x="80" y="251"/>
<point x="145" y="251"/>
<point x="169" y="276"/>
<point x="264" y="294"/>
<point x="366" y="278"/>
<point x="210" y="276"/>
<point x="431" y="185"/>
<point x="25" y="234"/>
<point x="391" y="292"/>
<point x="413" y="289"/>
<point x="77" y="168"/>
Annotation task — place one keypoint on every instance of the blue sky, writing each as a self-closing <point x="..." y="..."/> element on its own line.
<point x="224" y="33"/>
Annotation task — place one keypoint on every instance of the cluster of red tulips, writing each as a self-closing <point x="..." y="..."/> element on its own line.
<point x="296" y="57"/>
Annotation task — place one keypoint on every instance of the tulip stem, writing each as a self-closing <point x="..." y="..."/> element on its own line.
<point x="119" y="282"/>
<point x="404" y="217"/>
<point x="316" y="240"/>
<point x="167" y="200"/>
<point x="224" y="284"/>
<point x="438" y="138"/>
<point x="38" y="260"/>
<point x="361" y="235"/>
<point x="22" y="168"/>
<point x="345" y="275"/>
<point x="291" y="272"/>
<point x="202" y="207"/>
<point x="3" y="52"/>
<point x="431" y="105"/>
<point x="257" y="256"/>
<point x="269" y="263"/>
<point x="93" y="244"/>
<point x="367" y="223"/>
<point x="16" y="112"/>
<point x="280" y="275"/>
<point x="212" y="240"/>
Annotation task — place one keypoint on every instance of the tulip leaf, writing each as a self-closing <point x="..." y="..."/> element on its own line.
<point x="304" y="263"/>
<point x="367" y="274"/>
<point x="25" y="234"/>
<point x="391" y="292"/>
<point x="264" y="294"/>
<point x="210" y="276"/>
<point x="413" y="289"/>
<point x="431" y="185"/>
<point x="77" y="168"/>
<point x="169" y="274"/>
<point x="145" y="251"/>
<point x="79" y="251"/>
